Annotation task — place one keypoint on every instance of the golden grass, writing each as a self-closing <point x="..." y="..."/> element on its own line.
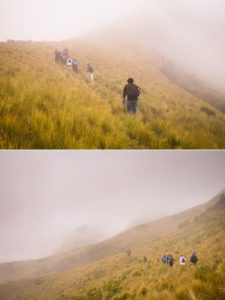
<point x="44" y="105"/>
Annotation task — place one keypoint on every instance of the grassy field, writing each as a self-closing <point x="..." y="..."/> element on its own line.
<point x="118" y="276"/>
<point x="45" y="106"/>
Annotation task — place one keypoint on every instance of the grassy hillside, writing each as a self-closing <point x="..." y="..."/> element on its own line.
<point x="44" y="105"/>
<point x="88" y="254"/>
<point x="118" y="276"/>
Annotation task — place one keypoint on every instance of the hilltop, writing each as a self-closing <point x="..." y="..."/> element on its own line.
<point x="44" y="105"/>
<point x="104" y="271"/>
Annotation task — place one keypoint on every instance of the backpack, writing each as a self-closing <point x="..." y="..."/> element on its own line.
<point x="75" y="62"/>
<point x="90" y="69"/>
<point x="133" y="91"/>
<point x="171" y="260"/>
<point x="194" y="259"/>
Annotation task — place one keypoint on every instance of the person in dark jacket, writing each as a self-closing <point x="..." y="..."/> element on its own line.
<point x="170" y="260"/>
<point x="57" y="56"/>
<point x="194" y="258"/>
<point x="131" y="92"/>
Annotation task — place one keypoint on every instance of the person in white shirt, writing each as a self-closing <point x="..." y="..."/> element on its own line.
<point x="183" y="260"/>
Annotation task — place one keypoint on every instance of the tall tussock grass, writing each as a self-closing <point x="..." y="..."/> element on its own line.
<point x="46" y="105"/>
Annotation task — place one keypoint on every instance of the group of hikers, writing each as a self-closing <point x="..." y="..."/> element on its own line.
<point x="62" y="57"/>
<point x="169" y="259"/>
<point x="131" y="91"/>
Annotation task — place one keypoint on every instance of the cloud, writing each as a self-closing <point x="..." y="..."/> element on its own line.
<point x="45" y="195"/>
<point x="49" y="20"/>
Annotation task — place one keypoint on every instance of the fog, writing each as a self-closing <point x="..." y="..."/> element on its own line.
<point x="56" y="19"/>
<point x="189" y="33"/>
<point x="48" y="199"/>
<point x="192" y="33"/>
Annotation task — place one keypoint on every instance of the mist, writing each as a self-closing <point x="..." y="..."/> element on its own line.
<point x="56" y="19"/>
<point x="187" y="33"/>
<point x="53" y="201"/>
<point x="190" y="33"/>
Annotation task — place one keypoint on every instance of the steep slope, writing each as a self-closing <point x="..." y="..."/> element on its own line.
<point x="43" y="105"/>
<point x="130" y="239"/>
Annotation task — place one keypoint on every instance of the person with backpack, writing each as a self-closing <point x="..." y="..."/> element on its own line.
<point x="57" y="56"/>
<point x="75" y="65"/>
<point x="170" y="260"/>
<point x="131" y="91"/>
<point x="90" y="72"/>
<point x="194" y="258"/>
<point x="65" y="55"/>
<point x="183" y="260"/>
<point x="60" y="58"/>
<point x="164" y="259"/>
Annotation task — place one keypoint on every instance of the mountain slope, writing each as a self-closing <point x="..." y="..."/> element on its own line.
<point x="120" y="277"/>
<point x="147" y="233"/>
<point x="43" y="105"/>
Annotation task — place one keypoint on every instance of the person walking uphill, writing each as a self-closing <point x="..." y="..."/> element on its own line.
<point x="183" y="260"/>
<point x="170" y="260"/>
<point x="90" y="72"/>
<point x="131" y="91"/>
<point x="194" y="258"/>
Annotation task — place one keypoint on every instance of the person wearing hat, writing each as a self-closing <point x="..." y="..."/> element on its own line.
<point x="131" y="92"/>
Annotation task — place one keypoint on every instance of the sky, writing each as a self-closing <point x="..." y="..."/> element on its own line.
<point x="188" y="31"/>
<point x="45" y="196"/>
<point x="56" y="19"/>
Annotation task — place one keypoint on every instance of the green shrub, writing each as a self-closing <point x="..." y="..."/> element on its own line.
<point x="112" y="287"/>
<point x="144" y="291"/>
<point x="94" y="294"/>
<point x="124" y="296"/>
<point x="208" y="111"/>
<point x="137" y="272"/>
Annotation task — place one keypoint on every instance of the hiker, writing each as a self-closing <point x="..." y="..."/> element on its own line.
<point x="64" y="59"/>
<point x="131" y="91"/>
<point x="164" y="259"/>
<point x="60" y="57"/>
<point x="66" y="52"/>
<point x="57" y="56"/>
<point x="194" y="258"/>
<point x="90" y="72"/>
<point x="75" y="64"/>
<point x="65" y="56"/>
<point x="128" y="252"/>
<point x="145" y="259"/>
<point x="183" y="260"/>
<point x="170" y="260"/>
<point x="69" y="62"/>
